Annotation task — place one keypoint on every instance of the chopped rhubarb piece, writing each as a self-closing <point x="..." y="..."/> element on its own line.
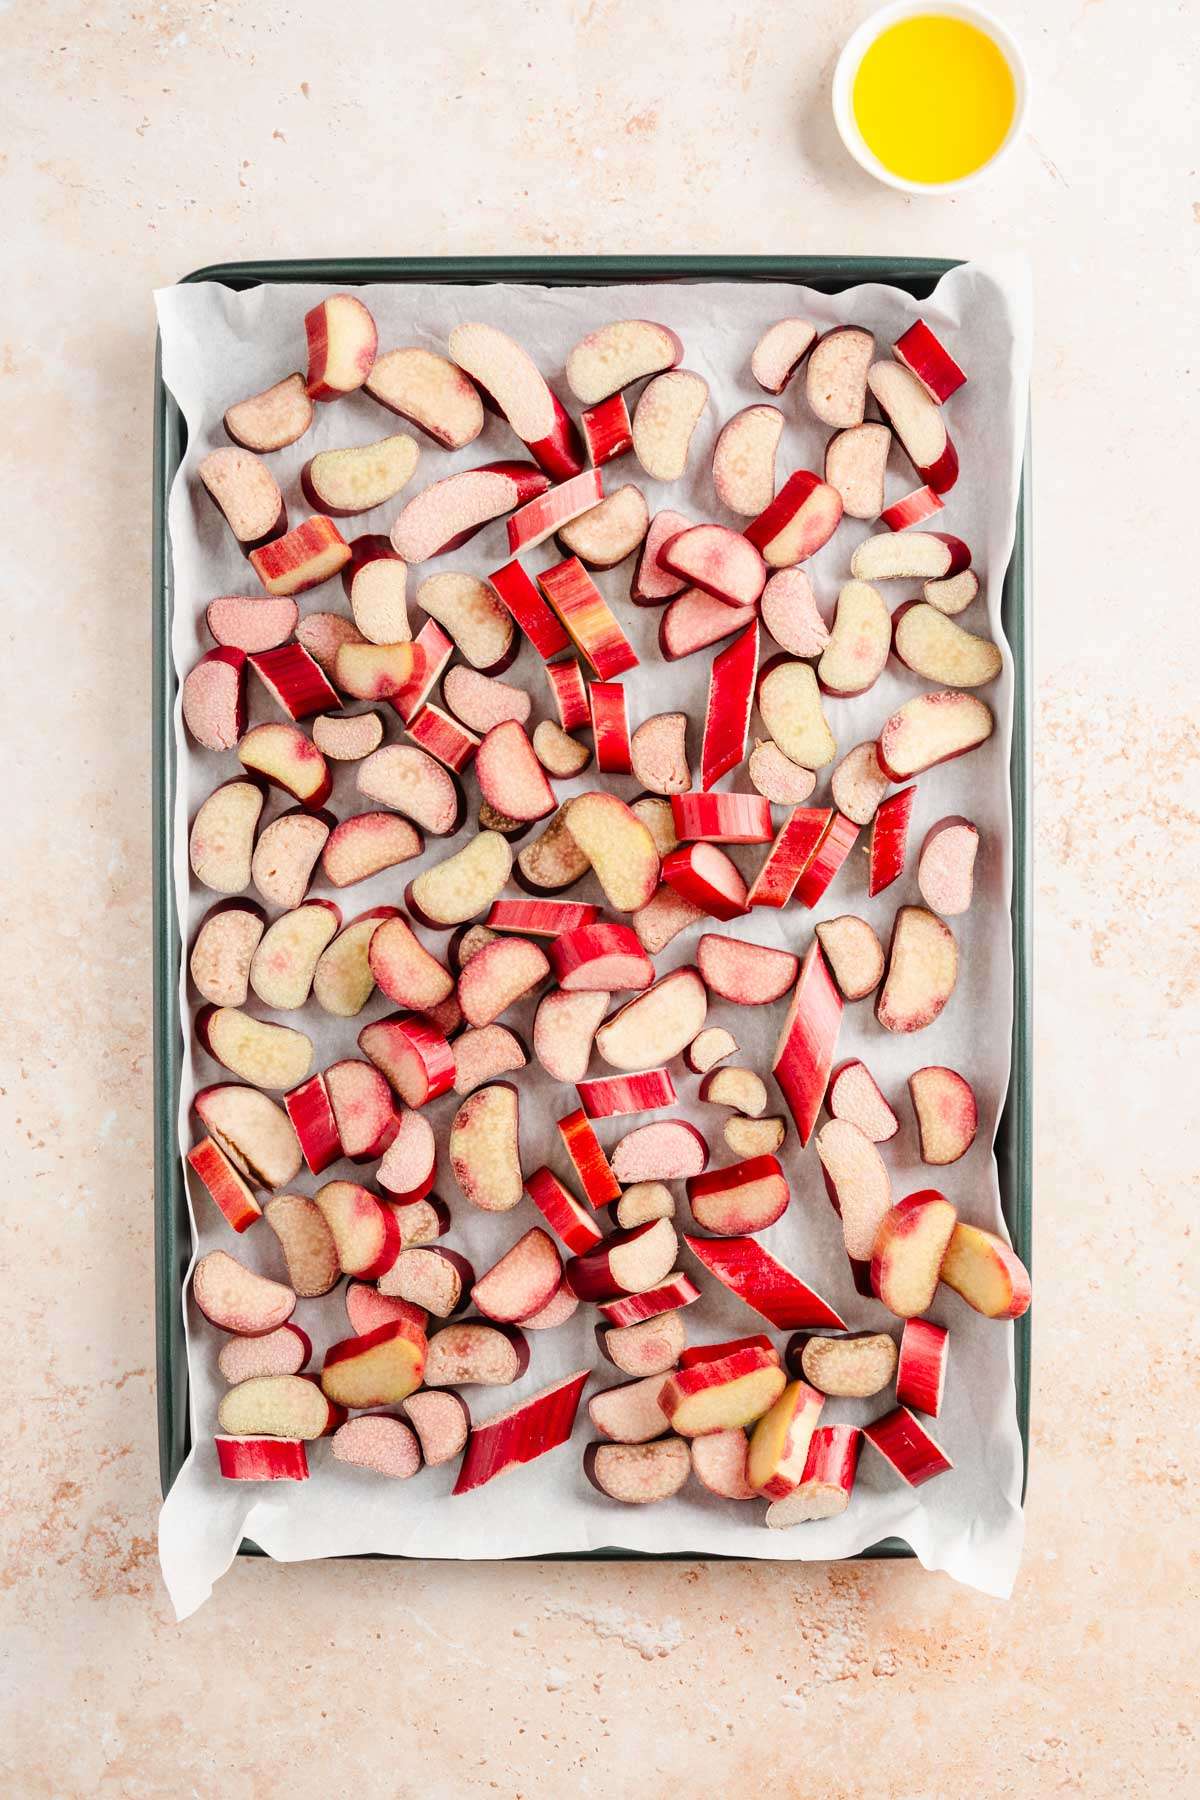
<point x="656" y="1025"/>
<point x="853" y="953"/>
<point x="743" y="1198"/>
<point x="252" y="622"/>
<point x="946" y="1111"/>
<point x="677" y="1291"/>
<point x="311" y="1112"/>
<point x="508" y="377"/>
<point x="470" y="1354"/>
<point x="599" y="1184"/>
<point x="524" y="1280"/>
<point x="449" y="512"/>
<point x="913" y="509"/>
<point x="586" y="615"/>
<point x="705" y="875"/>
<point x="606" y="430"/>
<point x="668" y="410"/>
<point x="830" y="854"/>
<point x="932" y="729"/>
<point x="802" y="517"/>
<point x="610" y="727"/>
<point x="600" y="958"/>
<point x="722" y="818"/>
<point x="663" y="917"/>
<point x="889" y="840"/>
<point x="658" y="754"/>
<point x="214" y="698"/>
<point x="225" y="1186"/>
<point x="540" y="918"/>
<point x="542" y="517"/>
<point x="481" y="701"/>
<point x="694" y="620"/>
<point x="443" y="737"/>
<point x="917" y="421"/>
<point x="625" y="1262"/>
<point x="923" y="354"/>
<point x="563" y="1028"/>
<point x="433" y="651"/>
<point x="613" y="1096"/>
<point x="780" y="351"/>
<point x="523" y="1433"/>
<point x="430" y="392"/>
<point x="827" y="1481"/>
<point x="305" y="557"/>
<point x="921" y="1370"/>
<point x="855" y="463"/>
<point x="570" y="693"/>
<point x="413" y="1055"/>
<point x="748" y="1270"/>
<point x="946" y="867"/>
<point x="441" y="1421"/>
<point x="563" y="1213"/>
<point x="903" y="1442"/>
<point x="529" y="611"/>
<point x="468" y="609"/>
<point x="727" y="712"/>
<point x="653" y="583"/>
<point x="718" y="561"/>
<point x="804" y="1053"/>
<point x="607" y="360"/>
<point x="708" y="1048"/>
<point x="855" y="1096"/>
<point x="748" y="974"/>
<point x="744" y="459"/>
<point x="604" y="536"/>
<point x="498" y="976"/>
<point x="619" y="847"/>
<point x="668" y="1150"/>
<point x="800" y="837"/>
<point x="261" y="1458"/>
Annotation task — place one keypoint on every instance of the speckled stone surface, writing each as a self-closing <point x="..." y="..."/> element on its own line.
<point x="143" y="142"/>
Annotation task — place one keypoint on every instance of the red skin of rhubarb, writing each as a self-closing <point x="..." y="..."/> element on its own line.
<point x="443" y="737"/>
<point x="294" y="680"/>
<point x="562" y="1212"/>
<point x="631" y="1309"/>
<point x="529" y="611"/>
<point x="889" y="839"/>
<point x="913" y="509"/>
<point x="703" y="1353"/>
<point x="607" y="431"/>
<point x="427" y="1044"/>
<point x="727" y="715"/>
<point x="521" y="1434"/>
<point x="262" y="1459"/>
<point x="610" y="727"/>
<point x="907" y="1446"/>
<point x="586" y="616"/>
<point x="540" y="918"/>
<point x="541" y="518"/>
<point x="831" y="853"/>
<point x="800" y="836"/>
<point x="921" y="1370"/>
<point x="804" y="1056"/>
<point x="722" y="818"/>
<point x="680" y="872"/>
<point x="570" y="693"/>
<point x="614" y="1096"/>
<point x="753" y="1274"/>
<point x="434" y="650"/>
<point x="923" y="354"/>
<point x="223" y="1183"/>
<point x="833" y="1457"/>
<point x="308" y="1107"/>
<point x="593" y="942"/>
<point x="599" y="1184"/>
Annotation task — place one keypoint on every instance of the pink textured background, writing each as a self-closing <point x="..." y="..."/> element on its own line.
<point x="143" y="143"/>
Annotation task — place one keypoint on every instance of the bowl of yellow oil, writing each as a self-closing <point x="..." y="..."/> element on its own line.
<point x="928" y="97"/>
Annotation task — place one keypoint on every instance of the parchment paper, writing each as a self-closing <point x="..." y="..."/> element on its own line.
<point x="219" y="346"/>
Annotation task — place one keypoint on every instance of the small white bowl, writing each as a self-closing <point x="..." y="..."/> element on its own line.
<point x="857" y="47"/>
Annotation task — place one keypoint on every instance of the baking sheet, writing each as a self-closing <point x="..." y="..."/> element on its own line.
<point x="218" y="345"/>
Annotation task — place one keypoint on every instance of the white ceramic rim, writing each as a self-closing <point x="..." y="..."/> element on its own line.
<point x="860" y="42"/>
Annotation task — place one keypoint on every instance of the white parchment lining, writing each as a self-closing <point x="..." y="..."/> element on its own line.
<point x="219" y="346"/>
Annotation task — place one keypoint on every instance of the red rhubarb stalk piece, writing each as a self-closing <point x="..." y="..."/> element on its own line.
<point x="912" y="509"/>
<point x="610" y="727"/>
<point x="226" y="1187"/>
<point x="294" y="680"/>
<point x="261" y="1458"/>
<point x="904" y="1442"/>
<point x="727" y="714"/>
<point x="800" y="837"/>
<point x="443" y="737"/>
<point x="542" y="517"/>
<point x="540" y="918"/>
<point x="921" y="1370"/>
<point x="529" y="611"/>
<point x="722" y="818"/>
<point x="748" y="1270"/>
<point x="607" y="430"/>
<point x="600" y="957"/>
<point x="705" y="875"/>
<point x="523" y="1433"/>
<point x="678" y="1290"/>
<point x="889" y="839"/>
<point x="570" y="693"/>
<point x="596" y="1178"/>
<point x="804" y="1054"/>
<point x="613" y="1096"/>
<point x="308" y="1107"/>
<point x="585" y="613"/>
<point x="413" y="1055"/>
<point x="562" y="1211"/>
<point x="831" y="853"/>
<point x="432" y="651"/>
<point x="924" y="355"/>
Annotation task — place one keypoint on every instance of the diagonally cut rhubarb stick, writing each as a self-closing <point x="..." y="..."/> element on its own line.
<point x="800" y="836"/>
<point x="433" y="651"/>
<point x="727" y="714"/>
<point x="889" y="840"/>
<point x="523" y="1433"/>
<point x="831" y="853"/>
<point x="804" y="1054"/>
<point x="614" y="1096"/>
<point x="748" y="1270"/>
<point x="921" y="1370"/>
<point x="586" y="615"/>
<point x="904" y="1442"/>
<point x="530" y="612"/>
<point x="540" y="518"/>
<point x="722" y="818"/>
<point x="677" y="1291"/>
<point x="596" y="1178"/>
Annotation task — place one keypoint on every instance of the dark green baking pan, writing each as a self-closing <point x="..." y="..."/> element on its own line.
<point x="830" y="274"/>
